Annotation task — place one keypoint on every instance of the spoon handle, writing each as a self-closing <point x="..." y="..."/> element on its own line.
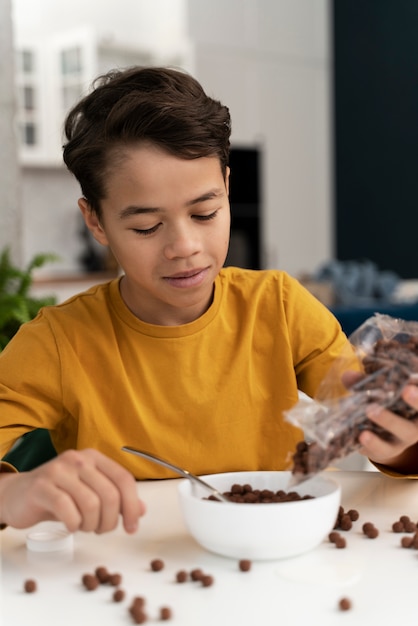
<point x="178" y="470"/>
<point x="156" y="459"/>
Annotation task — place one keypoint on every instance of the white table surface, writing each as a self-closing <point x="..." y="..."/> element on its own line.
<point x="379" y="577"/>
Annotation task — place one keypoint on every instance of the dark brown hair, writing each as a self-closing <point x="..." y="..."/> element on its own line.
<point x="165" y="107"/>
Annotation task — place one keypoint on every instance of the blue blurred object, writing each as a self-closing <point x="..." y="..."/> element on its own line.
<point x="351" y="317"/>
<point x="358" y="283"/>
<point x="361" y="290"/>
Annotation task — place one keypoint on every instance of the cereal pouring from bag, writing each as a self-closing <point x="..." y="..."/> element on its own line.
<point x="386" y="354"/>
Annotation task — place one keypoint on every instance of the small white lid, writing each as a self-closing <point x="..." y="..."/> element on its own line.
<point x="49" y="537"/>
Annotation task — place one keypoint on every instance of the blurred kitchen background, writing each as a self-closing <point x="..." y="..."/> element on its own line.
<point x="324" y="99"/>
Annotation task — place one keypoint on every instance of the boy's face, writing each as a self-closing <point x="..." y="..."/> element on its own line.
<point x="167" y="222"/>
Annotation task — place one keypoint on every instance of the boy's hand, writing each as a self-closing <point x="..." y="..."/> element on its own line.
<point x="81" y="488"/>
<point x="401" y="453"/>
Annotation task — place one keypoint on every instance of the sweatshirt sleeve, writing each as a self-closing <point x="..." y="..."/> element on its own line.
<point x="30" y="383"/>
<point x="315" y="335"/>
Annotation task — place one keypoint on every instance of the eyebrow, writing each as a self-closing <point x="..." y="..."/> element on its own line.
<point x="135" y="210"/>
<point x="140" y="210"/>
<point x="210" y="195"/>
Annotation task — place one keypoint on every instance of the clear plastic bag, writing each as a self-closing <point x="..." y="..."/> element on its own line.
<point x="385" y="354"/>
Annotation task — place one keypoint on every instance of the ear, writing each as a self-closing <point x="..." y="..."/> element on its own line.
<point x="92" y="222"/>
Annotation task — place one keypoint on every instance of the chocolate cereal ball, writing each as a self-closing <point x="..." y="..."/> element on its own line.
<point x="182" y="576"/>
<point x="102" y="574"/>
<point x="30" y="586"/>
<point x="344" y="604"/>
<point x="353" y="514"/>
<point x="372" y="533"/>
<point x="340" y="542"/>
<point x="115" y="579"/>
<point x="90" y="582"/>
<point x="137" y="610"/>
<point x="118" y="595"/>
<point x="138" y="616"/>
<point x="333" y="536"/>
<point x="410" y="542"/>
<point x="165" y="613"/>
<point x="367" y="527"/>
<point x="244" y="565"/>
<point x="137" y="603"/>
<point x="345" y="522"/>
<point x="196" y="574"/>
<point x="157" y="565"/>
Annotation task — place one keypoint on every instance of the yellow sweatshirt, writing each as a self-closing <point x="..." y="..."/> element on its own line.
<point x="208" y="395"/>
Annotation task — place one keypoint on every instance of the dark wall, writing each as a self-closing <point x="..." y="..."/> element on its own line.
<point x="376" y="132"/>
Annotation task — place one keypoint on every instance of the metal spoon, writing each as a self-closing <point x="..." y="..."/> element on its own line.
<point x="179" y="470"/>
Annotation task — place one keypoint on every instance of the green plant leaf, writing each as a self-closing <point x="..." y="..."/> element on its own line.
<point x="17" y="306"/>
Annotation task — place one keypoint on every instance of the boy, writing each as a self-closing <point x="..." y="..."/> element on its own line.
<point x="179" y="356"/>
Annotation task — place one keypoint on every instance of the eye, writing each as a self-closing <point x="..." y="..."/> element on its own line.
<point x="144" y="232"/>
<point x="206" y="218"/>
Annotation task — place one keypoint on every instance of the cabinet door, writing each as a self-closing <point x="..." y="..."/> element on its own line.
<point x="376" y="132"/>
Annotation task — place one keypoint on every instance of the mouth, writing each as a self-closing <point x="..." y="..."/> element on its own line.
<point x="186" y="273"/>
<point x="188" y="278"/>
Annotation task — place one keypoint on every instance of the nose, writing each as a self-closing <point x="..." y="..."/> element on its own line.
<point x="182" y="241"/>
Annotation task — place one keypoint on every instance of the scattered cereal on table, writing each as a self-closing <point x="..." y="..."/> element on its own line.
<point x="30" y="586"/>
<point x="410" y="542"/>
<point x="115" y="579"/>
<point x="353" y="514"/>
<point x="404" y="525"/>
<point x="138" y="602"/>
<point x="102" y="574"/>
<point x="118" y="595"/>
<point x="165" y="613"/>
<point x="345" y="522"/>
<point x="370" y="530"/>
<point x="90" y="582"/>
<point x="344" y="604"/>
<point x="340" y="542"/>
<point x="138" y="616"/>
<point x="196" y="574"/>
<point x="157" y="565"/>
<point x="244" y="565"/>
<point x="406" y="542"/>
<point x="182" y="576"/>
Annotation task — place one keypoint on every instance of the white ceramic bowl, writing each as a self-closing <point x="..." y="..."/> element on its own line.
<point x="261" y="531"/>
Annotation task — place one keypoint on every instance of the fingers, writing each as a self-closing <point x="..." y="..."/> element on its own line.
<point x="86" y="497"/>
<point x="404" y="433"/>
<point x="31" y="497"/>
<point x="410" y="395"/>
<point x="53" y="502"/>
<point x="102" y="491"/>
<point x="376" y="448"/>
<point x="130" y="506"/>
<point x="350" y="377"/>
<point x="83" y="489"/>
